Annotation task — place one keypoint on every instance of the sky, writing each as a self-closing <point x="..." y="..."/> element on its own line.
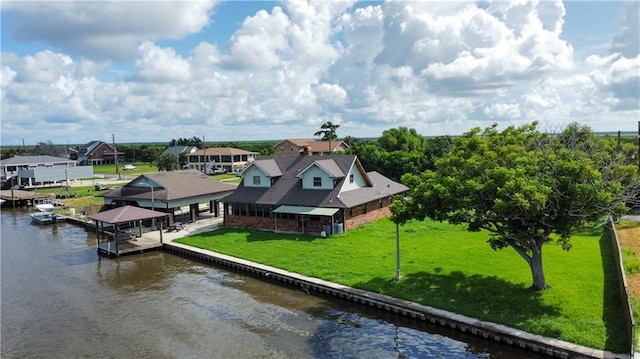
<point x="153" y="71"/>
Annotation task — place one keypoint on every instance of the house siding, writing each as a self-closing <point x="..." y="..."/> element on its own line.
<point x="252" y="171"/>
<point x="308" y="176"/>
<point x="358" y="180"/>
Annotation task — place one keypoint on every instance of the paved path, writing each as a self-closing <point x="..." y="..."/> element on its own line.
<point x="206" y="223"/>
<point x="635" y="218"/>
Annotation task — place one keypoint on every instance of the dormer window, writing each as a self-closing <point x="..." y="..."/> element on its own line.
<point x="256" y="180"/>
<point x="317" y="181"/>
<point x="351" y="178"/>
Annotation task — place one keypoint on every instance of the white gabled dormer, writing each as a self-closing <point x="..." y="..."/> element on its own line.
<point x="356" y="178"/>
<point x="322" y="174"/>
<point x="260" y="173"/>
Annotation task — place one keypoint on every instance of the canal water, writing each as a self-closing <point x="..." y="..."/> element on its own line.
<point x="59" y="299"/>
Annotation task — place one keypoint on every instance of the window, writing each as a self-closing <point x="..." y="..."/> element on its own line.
<point x="256" y="180"/>
<point x="238" y="209"/>
<point x="351" y="178"/>
<point x="259" y="210"/>
<point x="317" y="181"/>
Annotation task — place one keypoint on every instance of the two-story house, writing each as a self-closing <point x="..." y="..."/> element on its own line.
<point x="35" y="170"/>
<point x="309" y="147"/>
<point x="220" y="159"/>
<point x="309" y="194"/>
<point x="97" y="153"/>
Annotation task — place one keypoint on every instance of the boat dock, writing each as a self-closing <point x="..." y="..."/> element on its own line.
<point x="130" y="245"/>
<point x="18" y="197"/>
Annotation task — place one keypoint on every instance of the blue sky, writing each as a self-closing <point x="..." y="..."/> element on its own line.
<point x="73" y="72"/>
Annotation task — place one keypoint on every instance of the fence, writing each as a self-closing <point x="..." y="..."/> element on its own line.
<point x="624" y="291"/>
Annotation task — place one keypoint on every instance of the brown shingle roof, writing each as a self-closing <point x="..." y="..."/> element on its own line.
<point x="287" y="190"/>
<point x="221" y="151"/>
<point x="171" y="185"/>
<point x="126" y="214"/>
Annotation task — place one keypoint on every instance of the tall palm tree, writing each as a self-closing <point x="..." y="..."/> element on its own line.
<point x="328" y="132"/>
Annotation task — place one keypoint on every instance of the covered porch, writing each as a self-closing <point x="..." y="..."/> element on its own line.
<point x="307" y="219"/>
<point x="119" y="230"/>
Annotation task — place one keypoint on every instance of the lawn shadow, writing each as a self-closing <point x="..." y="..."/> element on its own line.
<point x="486" y="298"/>
<point x="612" y="316"/>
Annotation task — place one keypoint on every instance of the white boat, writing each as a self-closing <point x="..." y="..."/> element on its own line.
<point x="47" y="203"/>
<point x="46" y="217"/>
<point x="46" y="214"/>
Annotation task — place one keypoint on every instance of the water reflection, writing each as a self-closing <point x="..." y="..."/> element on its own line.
<point x="60" y="299"/>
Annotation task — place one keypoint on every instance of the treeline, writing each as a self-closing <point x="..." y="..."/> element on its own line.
<point x="397" y="152"/>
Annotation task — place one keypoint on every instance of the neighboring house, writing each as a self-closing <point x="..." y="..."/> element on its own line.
<point x="35" y="170"/>
<point x="220" y="159"/>
<point x="97" y="153"/>
<point x="309" y="147"/>
<point x="309" y="194"/>
<point x="179" y="193"/>
<point x="179" y="150"/>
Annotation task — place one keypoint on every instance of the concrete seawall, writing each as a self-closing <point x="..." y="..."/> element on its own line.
<point x="499" y="333"/>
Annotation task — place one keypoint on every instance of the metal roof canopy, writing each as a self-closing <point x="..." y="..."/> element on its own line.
<point x="311" y="211"/>
<point x="126" y="214"/>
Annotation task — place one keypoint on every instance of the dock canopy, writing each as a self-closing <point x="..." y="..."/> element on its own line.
<point x="124" y="242"/>
<point x="310" y="211"/>
<point x="126" y="214"/>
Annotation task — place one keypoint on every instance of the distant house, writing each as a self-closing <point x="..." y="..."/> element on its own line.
<point x="179" y="150"/>
<point x="35" y="170"/>
<point x="179" y="193"/>
<point x="309" y="147"/>
<point x="309" y="194"/>
<point x="97" y="153"/>
<point x="220" y="159"/>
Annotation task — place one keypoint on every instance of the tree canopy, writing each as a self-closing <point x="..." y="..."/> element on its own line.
<point x="167" y="162"/>
<point x="328" y="131"/>
<point x="525" y="187"/>
<point x="193" y="141"/>
<point x="402" y="139"/>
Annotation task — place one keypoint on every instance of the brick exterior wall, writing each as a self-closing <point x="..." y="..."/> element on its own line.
<point x="357" y="216"/>
<point x="353" y="218"/>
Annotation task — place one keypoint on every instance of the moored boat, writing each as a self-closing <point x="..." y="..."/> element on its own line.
<point x="47" y="217"/>
<point x="46" y="214"/>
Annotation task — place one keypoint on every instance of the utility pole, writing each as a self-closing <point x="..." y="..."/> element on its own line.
<point x="115" y="155"/>
<point x="639" y="146"/>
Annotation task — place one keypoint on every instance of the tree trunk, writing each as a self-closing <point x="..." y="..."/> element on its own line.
<point x="534" y="260"/>
<point x="537" y="272"/>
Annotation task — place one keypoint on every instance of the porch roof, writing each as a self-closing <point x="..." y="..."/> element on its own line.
<point x="311" y="211"/>
<point x="126" y="214"/>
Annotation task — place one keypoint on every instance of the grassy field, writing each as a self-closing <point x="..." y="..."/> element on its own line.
<point x="111" y="169"/>
<point x="449" y="268"/>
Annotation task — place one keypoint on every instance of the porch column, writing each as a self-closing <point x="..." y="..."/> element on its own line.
<point x="193" y="211"/>
<point x="214" y="207"/>
<point x="115" y="234"/>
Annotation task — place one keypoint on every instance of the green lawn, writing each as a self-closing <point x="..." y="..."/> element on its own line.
<point x="449" y="268"/>
<point x="110" y="169"/>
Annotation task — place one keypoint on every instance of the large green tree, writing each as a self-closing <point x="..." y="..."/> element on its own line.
<point x="402" y="139"/>
<point x="525" y="187"/>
